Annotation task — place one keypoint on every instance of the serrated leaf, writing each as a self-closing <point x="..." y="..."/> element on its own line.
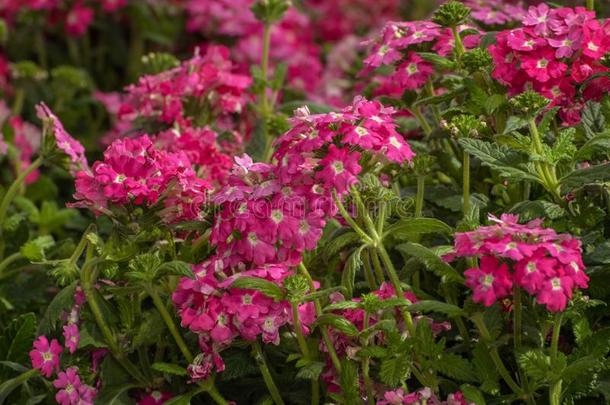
<point x="514" y="124"/>
<point x="34" y="250"/>
<point x="436" y="306"/>
<point x="342" y="305"/>
<point x="535" y="364"/>
<point x="311" y="371"/>
<point x="253" y="283"/>
<point x="394" y="370"/>
<point x="597" y="144"/>
<point x="337" y="322"/>
<point x="456" y="367"/>
<point x="353" y="264"/>
<point x="592" y="118"/>
<point x="431" y="260"/>
<point x="17" y="338"/>
<point x="169" y="368"/>
<point x="545" y="122"/>
<point x="507" y="162"/>
<point x="410" y="226"/>
<point x="339" y="243"/>
<point x="472" y="394"/>
<point x="63" y="301"/>
<point x="589" y="175"/>
<point x="529" y="210"/>
<point x="176" y="268"/>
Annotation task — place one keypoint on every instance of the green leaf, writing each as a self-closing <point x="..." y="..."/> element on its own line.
<point x="337" y="322"/>
<point x="580" y="177"/>
<point x="268" y="288"/>
<point x="353" y="264"/>
<point x="436" y="306"/>
<point x="115" y="394"/>
<point x="472" y="394"/>
<point x="339" y="243"/>
<point x="348" y="380"/>
<point x="456" y="367"/>
<point x="342" y="305"/>
<point x="597" y="144"/>
<point x="63" y="301"/>
<point x="545" y="123"/>
<point x="507" y="162"/>
<point x="169" y="368"/>
<point x="513" y="124"/>
<point x="529" y="210"/>
<point x="394" y="370"/>
<point x="176" y="268"/>
<point x="17" y="338"/>
<point x="311" y="371"/>
<point x="535" y="364"/>
<point x="432" y="261"/>
<point x="149" y="329"/>
<point x="438" y="61"/>
<point x="10" y="385"/>
<point x="409" y="226"/>
<point x="34" y="250"/>
<point x="485" y="368"/>
<point x="592" y="118"/>
<point x="580" y="367"/>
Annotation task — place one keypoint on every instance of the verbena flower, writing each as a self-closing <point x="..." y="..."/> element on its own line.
<point x="45" y="355"/>
<point x="545" y="264"/>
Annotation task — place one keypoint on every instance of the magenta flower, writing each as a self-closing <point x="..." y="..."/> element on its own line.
<point x="555" y="293"/>
<point x="490" y="282"/>
<point x="68" y="383"/>
<point x="567" y="44"/>
<point x="78" y="19"/>
<point x="539" y="18"/>
<point x="543" y="66"/>
<point x="339" y="168"/>
<point x="68" y="145"/>
<point x="155" y="398"/>
<point x="71" y="337"/>
<point x="45" y="356"/>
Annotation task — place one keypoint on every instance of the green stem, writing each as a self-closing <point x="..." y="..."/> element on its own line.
<point x="18" y="101"/>
<point x="377" y="266"/>
<point x="517" y="318"/>
<point x="264" y="107"/>
<point x="259" y="356"/>
<point x="87" y="285"/>
<point x="9" y="260"/>
<point x="368" y="383"/>
<point x="435" y="111"/>
<point x="392" y="274"/>
<point x="495" y="356"/>
<point x="546" y="171"/>
<point x="555" y="391"/>
<point x="325" y="334"/>
<point x="419" y="198"/>
<point x="590" y="4"/>
<point x="368" y="271"/>
<point x="216" y="396"/>
<point x="466" y="184"/>
<point x="298" y="330"/>
<point x="459" y="46"/>
<point x="169" y="322"/>
<point x="422" y="121"/>
<point x="365" y="238"/>
<point x="12" y="191"/>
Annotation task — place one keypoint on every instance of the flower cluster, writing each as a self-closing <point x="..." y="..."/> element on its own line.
<point x="292" y="40"/>
<point x="219" y="314"/>
<point x="71" y="391"/>
<point x="496" y="12"/>
<point x="76" y="16"/>
<point x="136" y="172"/>
<point x="178" y="108"/>
<point x="540" y="261"/>
<point x="26" y="139"/>
<point x="335" y="20"/>
<point x="270" y="214"/>
<point x="554" y="52"/>
<point x="423" y="396"/>
<point x="397" y="46"/>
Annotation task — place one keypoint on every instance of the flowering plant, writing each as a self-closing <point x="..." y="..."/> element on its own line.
<point x="316" y="203"/>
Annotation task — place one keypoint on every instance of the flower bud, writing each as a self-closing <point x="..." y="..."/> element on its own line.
<point x="451" y="14"/>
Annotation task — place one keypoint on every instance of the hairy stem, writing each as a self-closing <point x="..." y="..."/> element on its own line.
<point x="419" y="197"/>
<point x="259" y="356"/>
<point x="466" y="184"/>
<point x="10" y="194"/>
<point x="555" y="391"/>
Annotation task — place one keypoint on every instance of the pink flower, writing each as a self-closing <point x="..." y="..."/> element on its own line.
<point x="538" y="17"/>
<point x="490" y="282"/>
<point x="413" y="73"/>
<point x="45" y="356"/>
<point x="68" y="145"/>
<point x="68" y="383"/>
<point x="531" y="273"/>
<point x="542" y="65"/>
<point x="555" y="293"/>
<point x="339" y="168"/>
<point x="71" y="337"/>
<point x="155" y="398"/>
<point x="567" y="44"/>
<point x="78" y="19"/>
